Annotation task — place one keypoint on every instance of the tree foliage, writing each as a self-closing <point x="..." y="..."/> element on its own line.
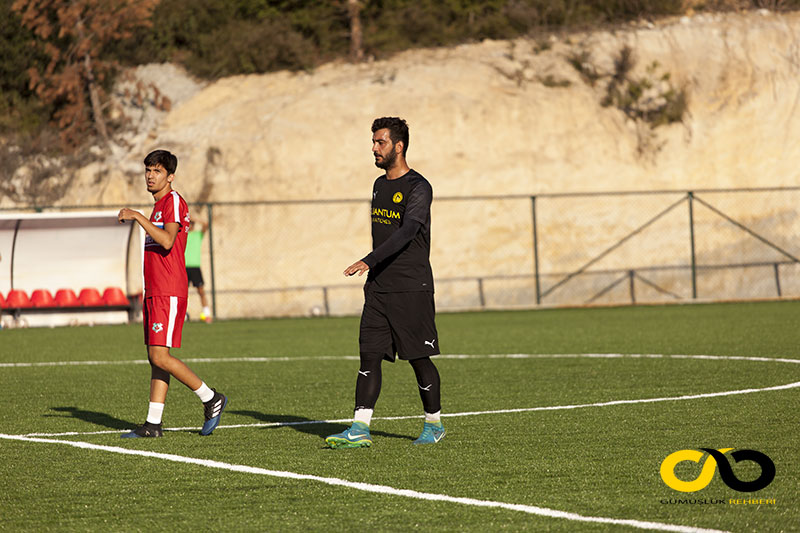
<point x="74" y="35"/>
<point x="78" y="43"/>
<point x="20" y="110"/>
<point x="214" y="38"/>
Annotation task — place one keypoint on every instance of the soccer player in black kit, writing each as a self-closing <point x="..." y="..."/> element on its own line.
<point x="398" y="315"/>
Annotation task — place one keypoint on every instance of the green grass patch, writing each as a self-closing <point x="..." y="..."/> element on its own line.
<point x="600" y="461"/>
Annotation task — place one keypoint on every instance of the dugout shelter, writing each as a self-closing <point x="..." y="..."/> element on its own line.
<point x="69" y="268"/>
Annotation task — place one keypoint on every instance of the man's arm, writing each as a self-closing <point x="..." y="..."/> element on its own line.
<point x="390" y="246"/>
<point x="417" y="211"/>
<point x="165" y="237"/>
<point x="394" y="243"/>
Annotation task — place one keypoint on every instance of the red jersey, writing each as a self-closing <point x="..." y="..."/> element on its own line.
<point x="165" y="270"/>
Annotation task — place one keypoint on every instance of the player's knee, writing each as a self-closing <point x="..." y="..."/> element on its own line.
<point x="159" y="374"/>
<point x="422" y="363"/>
<point x="159" y="356"/>
<point x="371" y="361"/>
<point x="370" y="367"/>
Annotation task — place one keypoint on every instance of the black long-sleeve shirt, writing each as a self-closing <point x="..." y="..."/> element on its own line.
<point x="401" y="234"/>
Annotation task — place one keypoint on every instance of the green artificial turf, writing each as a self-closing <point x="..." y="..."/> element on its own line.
<point x="565" y="433"/>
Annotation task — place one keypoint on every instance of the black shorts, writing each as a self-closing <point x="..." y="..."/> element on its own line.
<point x="195" y="276"/>
<point x="399" y="323"/>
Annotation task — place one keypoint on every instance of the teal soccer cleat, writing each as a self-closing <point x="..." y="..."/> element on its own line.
<point x="432" y="432"/>
<point x="356" y="436"/>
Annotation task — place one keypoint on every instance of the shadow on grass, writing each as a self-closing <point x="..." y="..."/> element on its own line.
<point x="306" y="425"/>
<point x="93" y="417"/>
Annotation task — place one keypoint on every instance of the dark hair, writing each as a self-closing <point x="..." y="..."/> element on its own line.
<point x="398" y="129"/>
<point x="163" y="158"/>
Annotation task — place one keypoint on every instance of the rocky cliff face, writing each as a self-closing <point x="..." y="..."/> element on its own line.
<point x="496" y="118"/>
<point x="489" y="118"/>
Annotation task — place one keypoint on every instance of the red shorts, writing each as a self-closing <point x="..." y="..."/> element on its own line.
<point x="163" y="320"/>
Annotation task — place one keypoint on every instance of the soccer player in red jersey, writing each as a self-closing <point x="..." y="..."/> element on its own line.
<point x="165" y="292"/>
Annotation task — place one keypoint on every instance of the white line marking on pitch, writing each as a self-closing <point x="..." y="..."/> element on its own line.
<point x="283" y="359"/>
<point x="471" y="413"/>
<point x="187" y="360"/>
<point x="454" y="356"/>
<point x="378" y="489"/>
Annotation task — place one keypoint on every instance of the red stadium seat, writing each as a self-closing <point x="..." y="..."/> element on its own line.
<point x="17" y="298"/>
<point x="42" y="298"/>
<point x="115" y="296"/>
<point x="90" y="298"/>
<point x="67" y="298"/>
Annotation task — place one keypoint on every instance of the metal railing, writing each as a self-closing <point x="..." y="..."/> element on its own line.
<point x="285" y="258"/>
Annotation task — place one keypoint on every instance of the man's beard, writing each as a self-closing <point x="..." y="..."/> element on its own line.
<point x="388" y="161"/>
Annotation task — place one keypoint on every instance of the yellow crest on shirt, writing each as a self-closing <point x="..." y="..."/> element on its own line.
<point x="397" y="198"/>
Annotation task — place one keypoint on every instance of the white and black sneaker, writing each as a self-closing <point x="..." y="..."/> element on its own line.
<point x="145" y="430"/>
<point x="213" y="411"/>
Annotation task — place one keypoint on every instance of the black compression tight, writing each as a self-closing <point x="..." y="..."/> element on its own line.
<point x="368" y="384"/>
<point x="429" y="384"/>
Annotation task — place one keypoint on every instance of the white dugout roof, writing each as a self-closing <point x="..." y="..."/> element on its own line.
<point x="69" y="250"/>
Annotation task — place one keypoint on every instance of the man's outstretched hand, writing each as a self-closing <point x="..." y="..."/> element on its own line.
<point x="358" y="267"/>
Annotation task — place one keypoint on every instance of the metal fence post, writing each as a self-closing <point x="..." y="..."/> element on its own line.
<point x="690" y="196"/>
<point x="211" y="258"/>
<point x="535" y="251"/>
<point x="632" y="285"/>
<point x="13" y="252"/>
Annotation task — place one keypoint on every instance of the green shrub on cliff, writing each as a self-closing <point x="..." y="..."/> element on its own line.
<point x="216" y="38"/>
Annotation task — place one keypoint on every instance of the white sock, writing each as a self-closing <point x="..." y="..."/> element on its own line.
<point x="433" y="417"/>
<point x="363" y="415"/>
<point x="154" y="413"/>
<point x="204" y="393"/>
<point x="207" y="311"/>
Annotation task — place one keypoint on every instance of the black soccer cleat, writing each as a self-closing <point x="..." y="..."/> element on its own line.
<point x="145" y="430"/>
<point x="213" y="412"/>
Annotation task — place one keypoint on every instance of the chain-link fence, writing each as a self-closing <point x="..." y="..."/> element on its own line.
<point x="668" y="247"/>
<point x="264" y="259"/>
<point x="287" y="258"/>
